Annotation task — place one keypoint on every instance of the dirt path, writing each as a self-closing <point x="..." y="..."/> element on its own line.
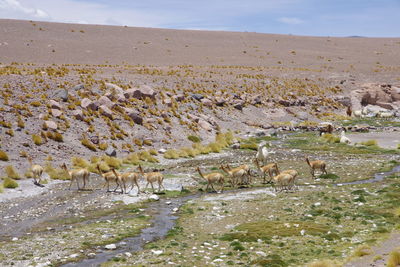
<point x="381" y="253"/>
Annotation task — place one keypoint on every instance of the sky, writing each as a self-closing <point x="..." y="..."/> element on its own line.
<point x="370" y="18"/>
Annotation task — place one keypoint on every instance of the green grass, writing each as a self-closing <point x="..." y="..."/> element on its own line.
<point x="331" y="176"/>
<point x="265" y="230"/>
<point x="369" y="143"/>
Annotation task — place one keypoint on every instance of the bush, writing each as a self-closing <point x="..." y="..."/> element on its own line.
<point x="79" y="162"/>
<point x="58" y="137"/>
<point x="3" y="156"/>
<point x="147" y="142"/>
<point x="11" y="172"/>
<point x="215" y="147"/>
<point x="88" y="144"/>
<point x="394" y="258"/>
<point x="112" y="162"/>
<point x="37" y="139"/>
<point x="363" y="251"/>
<point x="56" y="174"/>
<point x="194" y="139"/>
<point x="153" y="152"/>
<point x="9" y="183"/>
<point x="132" y="158"/>
<point x="370" y="143"/>
<point x="103" y="146"/>
<point x="171" y="154"/>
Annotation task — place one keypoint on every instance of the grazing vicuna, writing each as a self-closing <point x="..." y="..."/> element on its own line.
<point x="316" y="165"/>
<point x="152" y="177"/>
<point x="282" y="180"/>
<point x="78" y="174"/>
<point x="271" y="169"/>
<point x="111" y="176"/>
<point x="246" y="179"/>
<point x="294" y="174"/>
<point x="37" y="172"/>
<point x="212" y="178"/>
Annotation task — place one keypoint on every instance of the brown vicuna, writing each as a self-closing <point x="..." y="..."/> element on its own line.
<point x="152" y="177"/>
<point x="271" y="169"/>
<point x="316" y="165"/>
<point x="246" y="179"/>
<point x="212" y="178"/>
<point x="282" y="180"/>
<point x="37" y="172"/>
<point x="78" y="174"/>
<point x="131" y="178"/>
<point x="111" y="176"/>
<point x="294" y="174"/>
<point x="235" y="175"/>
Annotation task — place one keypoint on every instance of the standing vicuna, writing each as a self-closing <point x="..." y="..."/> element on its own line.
<point x="316" y="165"/>
<point x="271" y="169"/>
<point x="152" y="177"/>
<point x="111" y="176"/>
<point x="78" y="174"/>
<point x="37" y="172"/>
<point x="132" y="178"/>
<point x="262" y="153"/>
<point x="212" y="178"/>
<point x="236" y="175"/>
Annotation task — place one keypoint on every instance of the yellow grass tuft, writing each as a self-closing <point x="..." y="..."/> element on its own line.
<point x="88" y="144"/>
<point x="11" y="172"/>
<point x="394" y="258"/>
<point x="323" y="263"/>
<point x="3" y="156"/>
<point x="9" y="183"/>
<point x="37" y="139"/>
<point x="362" y="251"/>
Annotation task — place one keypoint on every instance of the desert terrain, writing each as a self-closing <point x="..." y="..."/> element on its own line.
<point x="102" y="98"/>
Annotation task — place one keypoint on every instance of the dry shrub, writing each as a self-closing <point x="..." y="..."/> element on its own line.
<point x="112" y="162"/>
<point x="80" y="162"/>
<point x="1" y="188"/>
<point x="3" y="156"/>
<point x="37" y="139"/>
<point x="394" y="258"/>
<point x="11" y="172"/>
<point x="103" y="146"/>
<point x="88" y="144"/>
<point x="323" y="263"/>
<point x="132" y="158"/>
<point x="362" y="251"/>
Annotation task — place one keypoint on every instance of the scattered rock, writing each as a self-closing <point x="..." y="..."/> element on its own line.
<point x="115" y="89"/>
<point x="205" y="125"/>
<point x="235" y="146"/>
<point x="78" y="87"/>
<point x="86" y="103"/>
<point x="105" y="101"/>
<point x="62" y="94"/>
<point x="78" y="114"/>
<point x="14" y="239"/>
<point x="110" y="246"/>
<point x="54" y="104"/>
<point x="141" y="93"/>
<point x="261" y="253"/>
<point x="106" y="111"/>
<point x="219" y="101"/>
<point x="162" y="150"/>
<point x="206" y="102"/>
<point x="128" y="254"/>
<point x="198" y="97"/>
<point x="157" y="252"/>
<point x="154" y="197"/>
<point x="179" y="97"/>
<point x="56" y="112"/>
<point x="238" y="104"/>
<point x="50" y="125"/>
<point x="134" y="115"/>
<point x="111" y="152"/>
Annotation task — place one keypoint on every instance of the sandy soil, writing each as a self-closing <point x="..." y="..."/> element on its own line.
<point x="385" y="139"/>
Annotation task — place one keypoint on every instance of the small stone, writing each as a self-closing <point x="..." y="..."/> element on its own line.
<point x="104" y="110"/>
<point x="162" y="150"/>
<point x="198" y="97"/>
<point x="111" y="152"/>
<point x="54" y="104"/>
<point x="78" y="114"/>
<point x="14" y="239"/>
<point x="128" y="254"/>
<point x="91" y="255"/>
<point x="175" y="209"/>
<point x="110" y="246"/>
<point x="50" y="125"/>
<point x="56" y="112"/>
<point x="154" y="197"/>
<point x="157" y="252"/>
<point x="72" y="256"/>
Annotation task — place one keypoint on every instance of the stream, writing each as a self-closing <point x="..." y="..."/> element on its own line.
<point x="163" y="220"/>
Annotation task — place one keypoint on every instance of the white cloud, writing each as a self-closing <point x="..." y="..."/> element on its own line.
<point x="14" y="9"/>
<point x="290" y="20"/>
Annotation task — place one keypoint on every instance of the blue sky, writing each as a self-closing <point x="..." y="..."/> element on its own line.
<point x="374" y="18"/>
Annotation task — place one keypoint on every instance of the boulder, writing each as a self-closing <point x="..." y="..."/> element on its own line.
<point x="115" y="89"/>
<point x="179" y="97"/>
<point x="54" y="104"/>
<point x="50" y="125"/>
<point x="141" y="93"/>
<point x="135" y="116"/>
<point x="111" y="152"/>
<point x="56" y="112"/>
<point x="198" y="97"/>
<point x="86" y="103"/>
<point x="78" y="114"/>
<point x="205" y="125"/>
<point x="78" y="87"/>
<point x="104" y="110"/>
<point x="219" y="101"/>
<point x="206" y="102"/>
<point x="238" y="104"/>
<point x="62" y="94"/>
<point x="105" y="101"/>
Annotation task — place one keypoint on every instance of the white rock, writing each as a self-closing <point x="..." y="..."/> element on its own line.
<point x="72" y="256"/>
<point x="317" y="204"/>
<point x="154" y="197"/>
<point x="261" y="253"/>
<point x="218" y="260"/>
<point x="168" y="202"/>
<point x="91" y="255"/>
<point x="14" y="239"/>
<point x="110" y="246"/>
<point x="302" y="232"/>
<point x="175" y="209"/>
<point x="128" y="254"/>
<point x="157" y="252"/>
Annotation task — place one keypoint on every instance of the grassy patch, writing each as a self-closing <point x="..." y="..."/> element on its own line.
<point x="331" y="176"/>
<point x="3" y="156"/>
<point x="9" y="183"/>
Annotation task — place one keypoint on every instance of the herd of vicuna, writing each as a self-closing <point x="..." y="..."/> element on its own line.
<point x="239" y="176"/>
